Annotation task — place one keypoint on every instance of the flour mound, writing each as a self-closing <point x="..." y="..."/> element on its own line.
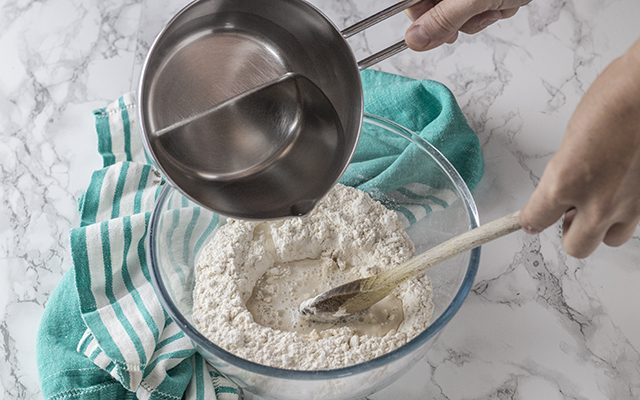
<point x="272" y="266"/>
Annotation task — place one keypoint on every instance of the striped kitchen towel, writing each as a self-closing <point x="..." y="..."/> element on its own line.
<point x="126" y="334"/>
<point x="104" y="334"/>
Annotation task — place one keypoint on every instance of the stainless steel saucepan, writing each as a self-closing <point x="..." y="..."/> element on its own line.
<point x="253" y="108"/>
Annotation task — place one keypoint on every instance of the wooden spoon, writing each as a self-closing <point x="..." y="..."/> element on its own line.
<point x="360" y="294"/>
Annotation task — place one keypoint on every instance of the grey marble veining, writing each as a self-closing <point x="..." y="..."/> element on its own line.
<point x="537" y="325"/>
<point x="60" y="60"/>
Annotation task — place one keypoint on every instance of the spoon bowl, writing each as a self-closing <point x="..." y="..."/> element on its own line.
<point x="360" y="294"/>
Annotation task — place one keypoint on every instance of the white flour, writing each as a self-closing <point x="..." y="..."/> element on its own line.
<point x="252" y="276"/>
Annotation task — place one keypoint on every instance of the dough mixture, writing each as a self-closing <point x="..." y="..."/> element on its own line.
<point x="252" y="276"/>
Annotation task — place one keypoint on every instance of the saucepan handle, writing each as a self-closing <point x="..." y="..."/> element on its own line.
<point x="374" y="19"/>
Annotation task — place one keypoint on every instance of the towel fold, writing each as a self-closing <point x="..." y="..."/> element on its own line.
<point x="104" y="334"/>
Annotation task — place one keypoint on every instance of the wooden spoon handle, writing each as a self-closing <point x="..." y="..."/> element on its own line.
<point x="454" y="246"/>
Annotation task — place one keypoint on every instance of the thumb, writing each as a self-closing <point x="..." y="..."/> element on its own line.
<point x="440" y="22"/>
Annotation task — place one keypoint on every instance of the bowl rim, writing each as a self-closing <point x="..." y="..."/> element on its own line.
<point x="435" y="327"/>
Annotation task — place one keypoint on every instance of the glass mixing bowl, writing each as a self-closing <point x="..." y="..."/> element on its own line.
<point x="179" y="228"/>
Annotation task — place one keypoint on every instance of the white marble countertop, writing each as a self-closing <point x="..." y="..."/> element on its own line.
<point x="538" y="324"/>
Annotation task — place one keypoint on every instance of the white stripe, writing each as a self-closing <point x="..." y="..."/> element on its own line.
<point x="150" y="301"/>
<point x="122" y="294"/>
<point x="155" y="378"/>
<point x="140" y="327"/>
<point x="117" y="131"/>
<point x="120" y="336"/>
<point x="159" y="372"/>
<point x="85" y="336"/>
<point x="201" y="225"/>
<point x="105" y="204"/>
<point x="142" y="393"/>
<point x="93" y="345"/>
<point x="171" y="329"/>
<point x="105" y="310"/>
<point x="145" y="289"/>
<point x="137" y="149"/>
<point x="148" y="199"/>
<point x="157" y="375"/>
<point x="116" y="250"/>
<point x="209" y="393"/>
<point x="174" y="235"/>
<point x="130" y="189"/>
<point x="95" y="265"/>
<point x="182" y="343"/>
<point x="446" y="195"/>
<point x="220" y="380"/>
<point x="191" y="392"/>
<point x="403" y="220"/>
<point x="418" y="212"/>
<point x="103" y="361"/>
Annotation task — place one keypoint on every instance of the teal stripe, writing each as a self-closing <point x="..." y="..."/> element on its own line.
<point x="126" y="277"/>
<point x="225" y="389"/>
<point x="169" y="340"/>
<point x="413" y="196"/>
<point x="87" y="301"/>
<point x="199" y="368"/>
<point x="81" y="267"/>
<point x="180" y="354"/>
<point x="408" y="214"/>
<point x="127" y="128"/>
<point x="110" y="367"/>
<point x="94" y="353"/>
<point x="117" y="195"/>
<point x="207" y="232"/>
<point x="184" y="201"/>
<point x="108" y="286"/>
<point x="438" y="201"/>
<point x="146" y="156"/>
<point x="158" y="189"/>
<point x="142" y="251"/>
<point x="104" y="137"/>
<point x="144" y="177"/>
<point x="409" y="194"/>
<point x="91" y="200"/>
<point x="109" y="347"/>
<point x="186" y="249"/>
<point x="426" y="207"/>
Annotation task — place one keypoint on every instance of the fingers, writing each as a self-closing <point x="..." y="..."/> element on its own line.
<point x="620" y="233"/>
<point x="440" y="22"/>
<point x="483" y="20"/>
<point x="437" y="20"/>
<point x="582" y="232"/>
<point x="567" y="220"/>
<point x="507" y="4"/>
<point x="584" y="235"/>
<point x="480" y="21"/>
<point x="510" y="12"/>
<point x="452" y="38"/>
<point x="420" y="8"/>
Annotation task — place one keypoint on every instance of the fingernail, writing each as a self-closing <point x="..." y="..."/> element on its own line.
<point x="530" y="230"/>
<point x="417" y="37"/>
